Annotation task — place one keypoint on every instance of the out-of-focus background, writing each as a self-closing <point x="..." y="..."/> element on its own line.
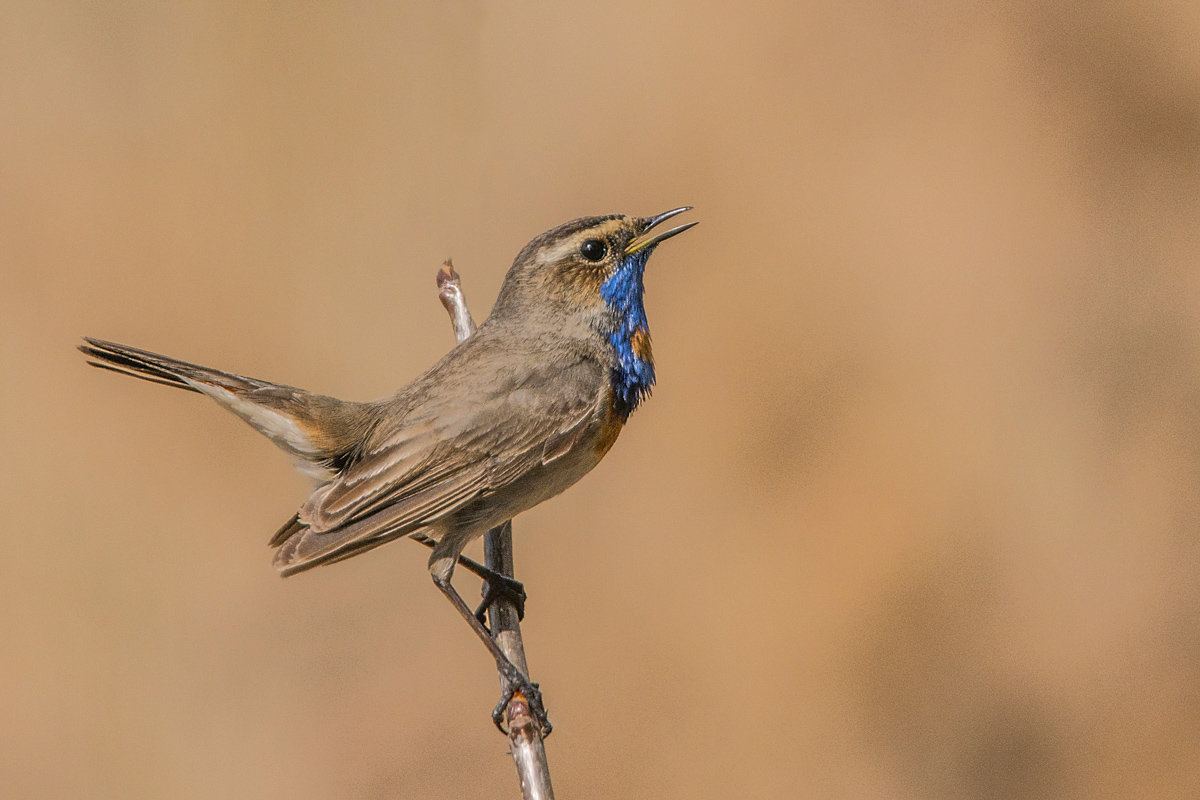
<point x="913" y="512"/>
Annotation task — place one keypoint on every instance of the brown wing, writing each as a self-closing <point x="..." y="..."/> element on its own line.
<point x="307" y="547"/>
<point x="430" y="465"/>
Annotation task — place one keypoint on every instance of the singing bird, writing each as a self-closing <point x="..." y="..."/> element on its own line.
<point x="510" y="417"/>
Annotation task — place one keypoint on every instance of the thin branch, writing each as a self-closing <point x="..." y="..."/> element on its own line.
<point x="524" y="734"/>
<point x="450" y="293"/>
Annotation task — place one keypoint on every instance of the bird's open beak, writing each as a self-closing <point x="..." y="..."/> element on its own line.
<point x="645" y="241"/>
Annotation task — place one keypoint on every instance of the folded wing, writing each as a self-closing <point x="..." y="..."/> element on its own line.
<point x="437" y="458"/>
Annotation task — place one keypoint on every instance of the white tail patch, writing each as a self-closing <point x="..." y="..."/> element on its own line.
<point x="275" y="425"/>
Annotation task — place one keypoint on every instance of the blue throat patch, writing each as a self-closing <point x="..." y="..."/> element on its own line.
<point x="633" y="375"/>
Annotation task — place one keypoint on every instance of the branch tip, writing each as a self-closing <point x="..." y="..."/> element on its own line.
<point x="447" y="274"/>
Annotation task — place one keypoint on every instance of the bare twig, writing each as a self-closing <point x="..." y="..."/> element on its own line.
<point x="524" y="734"/>
<point x="450" y="293"/>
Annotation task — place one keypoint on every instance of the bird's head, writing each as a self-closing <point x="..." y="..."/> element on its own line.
<point x="584" y="279"/>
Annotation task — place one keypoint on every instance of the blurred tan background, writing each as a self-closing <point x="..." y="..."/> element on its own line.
<point x="913" y="511"/>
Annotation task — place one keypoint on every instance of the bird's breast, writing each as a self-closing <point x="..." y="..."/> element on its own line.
<point x="612" y="420"/>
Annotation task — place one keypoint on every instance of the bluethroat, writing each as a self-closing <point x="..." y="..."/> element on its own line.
<point x="510" y="417"/>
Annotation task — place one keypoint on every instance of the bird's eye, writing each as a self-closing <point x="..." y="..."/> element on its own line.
<point x="594" y="249"/>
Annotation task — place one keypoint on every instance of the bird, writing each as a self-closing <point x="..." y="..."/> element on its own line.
<point x="512" y="416"/>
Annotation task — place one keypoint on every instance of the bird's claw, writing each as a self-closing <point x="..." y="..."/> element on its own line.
<point x="528" y="690"/>
<point x="502" y="587"/>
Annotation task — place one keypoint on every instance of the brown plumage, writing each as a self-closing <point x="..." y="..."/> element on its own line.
<point x="510" y="417"/>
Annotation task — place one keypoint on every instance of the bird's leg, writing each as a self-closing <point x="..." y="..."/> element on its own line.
<point x="514" y="680"/>
<point x="496" y="586"/>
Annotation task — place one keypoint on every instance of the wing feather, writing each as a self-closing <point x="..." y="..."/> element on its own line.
<point x="432" y="460"/>
<point x="310" y="547"/>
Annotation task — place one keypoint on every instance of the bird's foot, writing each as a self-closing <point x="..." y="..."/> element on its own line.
<point x="501" y="587"/>
<point x="521" y="688"/>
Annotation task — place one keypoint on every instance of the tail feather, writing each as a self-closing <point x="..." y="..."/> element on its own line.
<point x="320" y="433"/>
<point x="159" y="368"/>
<point x="165" y="379"/>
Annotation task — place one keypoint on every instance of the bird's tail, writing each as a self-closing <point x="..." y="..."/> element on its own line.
<point x="319" y="433"/>
<point x="158" y="369"/>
